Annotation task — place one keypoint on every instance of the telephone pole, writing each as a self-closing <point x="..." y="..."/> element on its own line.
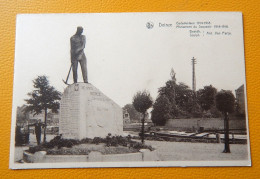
<point x="193" y="62"/>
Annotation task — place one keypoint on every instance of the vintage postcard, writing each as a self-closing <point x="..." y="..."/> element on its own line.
<point x="129" y="90"/>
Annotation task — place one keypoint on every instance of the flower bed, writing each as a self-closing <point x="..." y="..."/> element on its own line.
<point x="108" y="145"/>
<point x="111" y="148"/>
<point x="85" y="149"/>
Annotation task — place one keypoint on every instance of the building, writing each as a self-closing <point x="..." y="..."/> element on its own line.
<point x="126" y="117"/>
<point x="25" y="118"/>
<point x="240" y="99"/>
<point x="53" y="118"/>
<point x="34" y="118"/>
<point x="21" y="116"/>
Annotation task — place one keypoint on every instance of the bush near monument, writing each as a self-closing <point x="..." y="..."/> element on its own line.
<point x="108" y="145"/>
<point x="85" y="149"/>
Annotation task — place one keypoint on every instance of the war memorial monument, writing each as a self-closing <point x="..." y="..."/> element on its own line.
<point x="85" y="112"/>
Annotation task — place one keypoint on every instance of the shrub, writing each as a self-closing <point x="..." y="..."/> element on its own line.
<point x="68" y="152"/>
<point x="98" y="140"/>
<point x="86" y="140"/>
<point x="69" y="143"/>
<point x="138" y="146"/>
<point x="36" y="149"/>
<point x="161" y="110"/>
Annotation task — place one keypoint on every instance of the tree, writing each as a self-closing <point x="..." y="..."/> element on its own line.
<point x="184" y="97"/>
<point x="134" y="115"/>
<point x="215" y="113"/>
<point x="195" y="109"/>
<point x="43" y="98"/>
<point x="206" y="97"/>
<point x="225" y="102"/>
<point x="161" y="110"/>
<point x="186" y="101"/>
<point x="168" y="90"/>
<point x="141" y="102"/>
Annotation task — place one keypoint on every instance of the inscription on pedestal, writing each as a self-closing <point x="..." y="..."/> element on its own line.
<point x="87" y="112"/>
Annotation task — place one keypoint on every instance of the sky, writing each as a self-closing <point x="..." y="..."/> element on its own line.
<point x="124" y="56"/>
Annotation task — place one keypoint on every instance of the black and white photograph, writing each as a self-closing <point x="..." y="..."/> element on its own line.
<point x="165" y="89"/>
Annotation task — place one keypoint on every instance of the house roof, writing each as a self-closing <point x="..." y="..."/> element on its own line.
<point x="241" y="88"/>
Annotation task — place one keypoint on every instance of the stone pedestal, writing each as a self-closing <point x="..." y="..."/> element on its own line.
<point x="87" y="112"/>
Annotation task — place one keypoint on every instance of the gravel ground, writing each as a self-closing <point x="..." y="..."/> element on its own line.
<point x="18" y="154"/>
<point x="183" y="151"/>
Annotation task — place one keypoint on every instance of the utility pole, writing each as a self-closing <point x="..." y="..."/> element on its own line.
<point x="193" y="62"/>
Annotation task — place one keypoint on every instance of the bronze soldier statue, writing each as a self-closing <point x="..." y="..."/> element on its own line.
<point x="77" y="43"/>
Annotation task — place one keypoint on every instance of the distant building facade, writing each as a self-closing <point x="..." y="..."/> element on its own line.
<point x="240" y="99"/>
<point x="21" y="118"/>
<point x="25" y="118"/>
<point x="34" y="118"/>
<point x="54" y="118"/>
<point x="126" y="117"/>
